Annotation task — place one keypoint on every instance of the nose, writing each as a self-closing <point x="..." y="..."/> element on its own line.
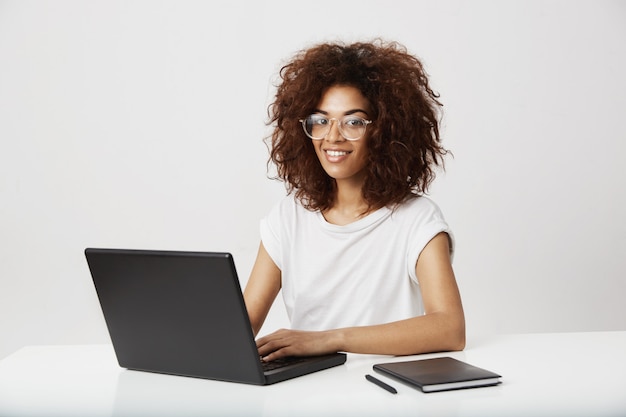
<point x="334" y="134"/>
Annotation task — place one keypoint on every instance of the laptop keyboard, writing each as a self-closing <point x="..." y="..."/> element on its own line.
<point x="281" y="363"/>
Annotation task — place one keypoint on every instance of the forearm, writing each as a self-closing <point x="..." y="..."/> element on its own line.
<point x="434" y="332"/>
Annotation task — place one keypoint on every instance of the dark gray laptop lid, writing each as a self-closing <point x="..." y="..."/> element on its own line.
<point x="174" y="312"/>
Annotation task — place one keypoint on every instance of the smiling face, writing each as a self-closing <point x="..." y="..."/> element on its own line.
<point x="342" y="159"/>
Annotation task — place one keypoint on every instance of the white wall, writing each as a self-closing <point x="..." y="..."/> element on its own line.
<point x="139" y="124"/>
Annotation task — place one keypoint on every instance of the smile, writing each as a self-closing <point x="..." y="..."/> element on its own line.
<point x="336" y="153"/>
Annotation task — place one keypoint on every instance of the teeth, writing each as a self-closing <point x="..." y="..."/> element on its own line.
<point x="336" y="153"/>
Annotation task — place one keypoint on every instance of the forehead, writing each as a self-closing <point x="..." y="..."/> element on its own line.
<point x="343" y="99"/>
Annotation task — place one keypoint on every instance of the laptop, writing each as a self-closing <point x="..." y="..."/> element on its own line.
<point x="183" y="313"/>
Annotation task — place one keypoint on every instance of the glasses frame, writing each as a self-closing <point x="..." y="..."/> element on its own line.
<point x="339" y="125"/>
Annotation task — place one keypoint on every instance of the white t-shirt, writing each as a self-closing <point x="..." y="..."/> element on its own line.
<point x="359" y="274"/>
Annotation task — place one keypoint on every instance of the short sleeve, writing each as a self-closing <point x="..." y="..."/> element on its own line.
<point x="429" y="225"/>
<point x="271" y="231"/>
<point x="270" y="241"/>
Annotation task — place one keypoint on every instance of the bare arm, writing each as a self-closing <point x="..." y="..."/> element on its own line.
<point x="442" y="328"/>
<point x="262" y="288"/>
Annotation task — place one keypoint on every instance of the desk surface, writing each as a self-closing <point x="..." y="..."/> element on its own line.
<point x="573" y="374"/>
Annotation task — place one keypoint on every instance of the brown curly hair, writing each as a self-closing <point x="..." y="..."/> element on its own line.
<point x="403" y="140"/>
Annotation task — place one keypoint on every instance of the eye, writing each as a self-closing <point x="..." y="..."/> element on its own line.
<point x="354" y="121"/>
<point x="318" y="120"/>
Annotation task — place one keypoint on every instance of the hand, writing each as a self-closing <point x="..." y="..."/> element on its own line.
<point x="285" y="342"/>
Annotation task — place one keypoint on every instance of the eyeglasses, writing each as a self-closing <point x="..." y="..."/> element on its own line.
<point x="317" y="126"/>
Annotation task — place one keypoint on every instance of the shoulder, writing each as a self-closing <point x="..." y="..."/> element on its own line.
<point x="288" y="205"/>
<point x="425" y="220"/>
<point x="419" y="207"/>
<point x="288" y="211"/>
<point x="420" y="216"/>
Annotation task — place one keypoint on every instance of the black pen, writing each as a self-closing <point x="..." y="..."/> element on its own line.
<point x="381" y="384"/>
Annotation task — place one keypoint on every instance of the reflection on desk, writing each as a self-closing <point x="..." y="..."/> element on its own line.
<point x="573" y="374"/>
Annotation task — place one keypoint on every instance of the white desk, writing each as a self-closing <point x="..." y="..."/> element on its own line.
<point x="568" y="374"/>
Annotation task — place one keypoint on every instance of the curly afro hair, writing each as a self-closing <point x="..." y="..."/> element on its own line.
<point x="403" y="140"/>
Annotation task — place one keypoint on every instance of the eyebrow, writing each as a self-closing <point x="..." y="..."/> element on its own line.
<point x="347" y="113"/>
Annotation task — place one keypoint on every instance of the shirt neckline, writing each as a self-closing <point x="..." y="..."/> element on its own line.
<point x="359" y="224"/>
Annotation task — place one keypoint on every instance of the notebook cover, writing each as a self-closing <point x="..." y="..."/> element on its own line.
<point x="439" y="374"/>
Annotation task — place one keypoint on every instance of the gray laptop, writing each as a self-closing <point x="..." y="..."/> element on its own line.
<point x="183" y="313"/>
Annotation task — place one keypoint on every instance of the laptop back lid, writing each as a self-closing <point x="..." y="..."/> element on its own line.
<point x="178" y="313"/>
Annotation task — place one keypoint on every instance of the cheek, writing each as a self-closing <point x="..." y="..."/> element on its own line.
<point x="363" y="161"/>
<point x="363" y="155"/>
<point x="318" y="152"/>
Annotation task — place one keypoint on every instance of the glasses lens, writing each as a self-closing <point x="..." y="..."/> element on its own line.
<point x="316" y="126"/>
<point x="353" y="127"/>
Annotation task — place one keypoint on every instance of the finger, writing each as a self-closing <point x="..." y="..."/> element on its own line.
<point x="268" y="338"/>
<point x="266" y="350"/>
<point x="271" y="344"/>
<point x="276" y="354"/>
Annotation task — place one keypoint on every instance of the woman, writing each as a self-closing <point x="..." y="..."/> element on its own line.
<point x="362" y="257"/>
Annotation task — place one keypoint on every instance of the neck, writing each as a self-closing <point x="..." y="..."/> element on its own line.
<point x="348" y="206"/>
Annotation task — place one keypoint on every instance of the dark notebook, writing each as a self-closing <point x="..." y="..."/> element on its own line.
<point x="439" y="374"/>
<point x="183" y="313"/>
